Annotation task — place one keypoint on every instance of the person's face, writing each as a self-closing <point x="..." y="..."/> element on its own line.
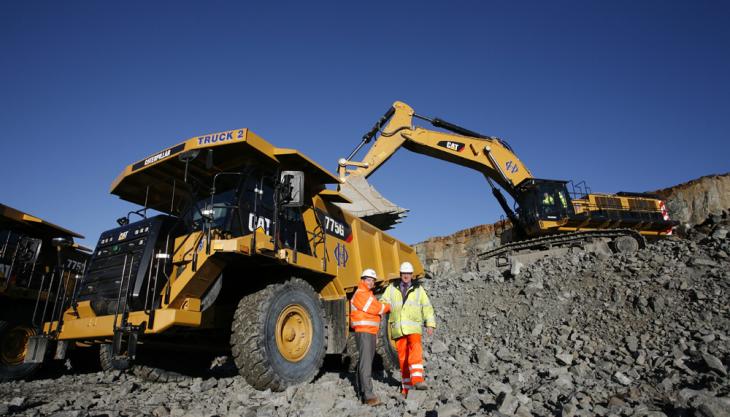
<point x="406" y="277"/>
<point x="370" y="282"/>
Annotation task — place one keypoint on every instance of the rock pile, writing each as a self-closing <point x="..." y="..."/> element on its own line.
<point x="589" y="334"/>
<point x="581" y="335"/>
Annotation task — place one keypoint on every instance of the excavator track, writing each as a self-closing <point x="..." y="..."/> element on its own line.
<point x="561" y="240"/>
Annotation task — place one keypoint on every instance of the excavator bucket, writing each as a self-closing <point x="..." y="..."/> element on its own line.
<point x="369" y="205"/>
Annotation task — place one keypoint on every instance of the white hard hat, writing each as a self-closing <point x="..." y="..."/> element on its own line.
<point x="369" y="273"/>
<point x="406" y="268"/>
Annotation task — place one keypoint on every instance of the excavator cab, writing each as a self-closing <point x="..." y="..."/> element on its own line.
<point x="543" y="200"/>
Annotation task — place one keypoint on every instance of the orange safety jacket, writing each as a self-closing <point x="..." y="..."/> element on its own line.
<point x="365" y="310"/>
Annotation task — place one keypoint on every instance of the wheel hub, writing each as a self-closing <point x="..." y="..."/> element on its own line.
<point x="14" y="345"/>
<point x="294" y="333"/>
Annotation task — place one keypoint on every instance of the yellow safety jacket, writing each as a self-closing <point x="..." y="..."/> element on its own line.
<point x="407" y="317"/>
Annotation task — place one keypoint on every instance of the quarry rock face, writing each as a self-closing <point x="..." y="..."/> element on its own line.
<point x="448" y="253"/>
<point x="693" y="202"/>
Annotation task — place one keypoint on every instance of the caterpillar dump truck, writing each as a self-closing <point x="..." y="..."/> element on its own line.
<point x="39" y="265"/>
<point x="247" y="251"/>
<point x="547" y="214"/>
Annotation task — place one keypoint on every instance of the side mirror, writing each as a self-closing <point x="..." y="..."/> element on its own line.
<point x="293" y="188"/>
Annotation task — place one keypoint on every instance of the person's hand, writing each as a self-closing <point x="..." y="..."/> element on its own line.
<point x="429" y="331"/>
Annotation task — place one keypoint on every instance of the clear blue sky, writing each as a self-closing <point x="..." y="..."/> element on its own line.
<point x="627" y="95"/>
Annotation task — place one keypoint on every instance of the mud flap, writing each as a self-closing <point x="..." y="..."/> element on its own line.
<point x="37" y="347"/>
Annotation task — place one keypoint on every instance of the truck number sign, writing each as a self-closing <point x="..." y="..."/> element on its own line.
<point x="334" y="227"/>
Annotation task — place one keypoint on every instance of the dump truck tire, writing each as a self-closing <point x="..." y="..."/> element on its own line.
<point x="13" y="344"/>
<point x="148" y="373"/>
<point x="279" y="335"/>
<point x="152" y="374"/>
<point x="385" y="347"/>
<point x="386" y="355"/>
<point x="351" y="355"/>
<point x="108" y="363"/>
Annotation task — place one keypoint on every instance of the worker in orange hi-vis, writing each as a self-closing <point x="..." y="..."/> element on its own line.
<point x="410" y="310"/>
<point x="365" y="312"/>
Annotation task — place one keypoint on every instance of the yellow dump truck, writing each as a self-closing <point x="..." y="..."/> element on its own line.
<point x="247" y="250"/>
<point x="39" y="266"/>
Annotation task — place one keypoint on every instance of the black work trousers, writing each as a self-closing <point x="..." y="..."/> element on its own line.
<point x="366" y="350"/>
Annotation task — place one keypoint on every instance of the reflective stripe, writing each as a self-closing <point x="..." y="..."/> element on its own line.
<point x="367" y="305"/>
<point x="413" y="303"/>
<point x="352" y="306"/>
<point x="409" y="323"/>
<point x="416" y="374"/>
<point x="365" y="323"/>
<point x="416" y="366"/>
<point x="406" y="380"/>
<point x="382" y="308"/>
<point x="407" y="386"/>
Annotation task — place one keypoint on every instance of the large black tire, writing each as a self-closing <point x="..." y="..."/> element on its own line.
<point x="109" y="363"/>
<point x="386" y="355"/>
<point x="13" y="340"/>
<point x="351" y="355"/>
<point x="254" y="343"/>
<point x="385" y="348"/>
<point x="148" y="373"/>
<point x="153" y="374"/>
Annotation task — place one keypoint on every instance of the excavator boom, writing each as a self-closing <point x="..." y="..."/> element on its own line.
<point x="491" y="156"/>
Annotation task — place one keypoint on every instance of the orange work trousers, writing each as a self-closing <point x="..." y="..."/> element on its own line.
<point x="410" y="357"/>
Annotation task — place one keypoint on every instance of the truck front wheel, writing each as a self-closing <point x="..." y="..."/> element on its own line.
<point x="279" y="335"/>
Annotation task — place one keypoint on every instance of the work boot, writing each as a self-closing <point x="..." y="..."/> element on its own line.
<point x="421" y="386"/>
<point x="372" y="401"/>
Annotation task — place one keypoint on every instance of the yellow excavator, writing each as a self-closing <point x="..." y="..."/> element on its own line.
<point x="546" y="214"/>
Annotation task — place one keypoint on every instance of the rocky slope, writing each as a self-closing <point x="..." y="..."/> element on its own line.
<point x="581" y="335"/>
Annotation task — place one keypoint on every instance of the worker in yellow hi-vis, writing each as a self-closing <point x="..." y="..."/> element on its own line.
<point x="410" y="310"/>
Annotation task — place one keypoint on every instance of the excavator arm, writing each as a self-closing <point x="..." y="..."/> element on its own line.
<point x="491" y="156"/>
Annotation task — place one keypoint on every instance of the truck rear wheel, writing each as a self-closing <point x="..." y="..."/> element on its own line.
<point x="109" y="363"/>
<point x="385" y="347"/>
<point x="146" y="372"/>
<point x="279" y="335"/>
<point x="386" y="355"/>
<point x="13" y="348"/>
